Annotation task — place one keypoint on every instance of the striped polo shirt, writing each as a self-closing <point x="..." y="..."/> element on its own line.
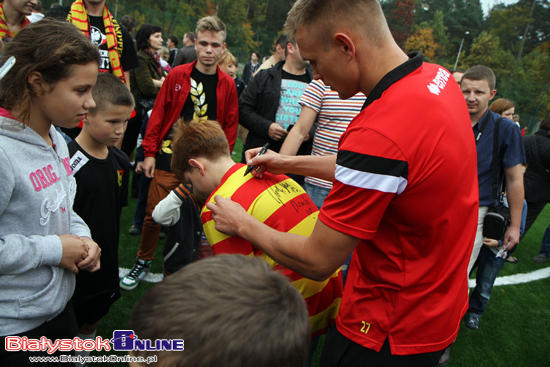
<point x="334" y="116"/>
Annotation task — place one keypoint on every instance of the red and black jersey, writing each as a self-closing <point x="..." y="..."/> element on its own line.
<point x="406" y="185"/>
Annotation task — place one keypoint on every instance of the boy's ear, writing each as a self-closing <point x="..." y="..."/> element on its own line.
<point x="36" y="83"/>
<point x="197" y="164"/>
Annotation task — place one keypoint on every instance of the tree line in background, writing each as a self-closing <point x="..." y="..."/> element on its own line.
<point x="513" y="40"/>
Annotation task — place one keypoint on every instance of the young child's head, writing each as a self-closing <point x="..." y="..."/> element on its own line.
<point x="48" y="53"/>
<point x="107" y="122"/>
<point x="230" y="310"/>
<point x="164" y="53"/>
<point x="228" y="64"/>
<point x="194" y="139"/>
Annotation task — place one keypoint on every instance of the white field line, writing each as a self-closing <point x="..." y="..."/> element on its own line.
<point x="507" y="280"/>
<point x="518" y="278"/>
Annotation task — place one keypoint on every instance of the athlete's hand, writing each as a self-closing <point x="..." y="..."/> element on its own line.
<point x="227" y="214"/>
<point x="268" y="162"/>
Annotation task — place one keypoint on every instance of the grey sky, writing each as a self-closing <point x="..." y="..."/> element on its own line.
<point x="487" y="4"/>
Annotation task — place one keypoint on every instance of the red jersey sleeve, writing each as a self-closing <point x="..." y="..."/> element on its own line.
<point x="370" y="171"/>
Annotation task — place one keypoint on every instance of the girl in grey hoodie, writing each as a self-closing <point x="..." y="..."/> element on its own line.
<point x="42" y="240"/>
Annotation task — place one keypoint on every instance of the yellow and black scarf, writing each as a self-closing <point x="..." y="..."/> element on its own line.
<point x="79" y="17"/>
<point x="4" y="31"/>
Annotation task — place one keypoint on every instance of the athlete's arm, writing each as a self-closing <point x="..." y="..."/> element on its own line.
<point x="306" y="165"/>
<point x="315" y="257"/>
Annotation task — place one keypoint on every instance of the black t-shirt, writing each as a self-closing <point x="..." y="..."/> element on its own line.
<point x="102" y="192"/>
<point x="201" y="104"/>
<point x="304" y="78"/>
<point x="128" y="59"/>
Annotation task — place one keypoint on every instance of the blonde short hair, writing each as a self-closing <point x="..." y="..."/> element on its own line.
<point x="212" y="24"/>
<point x="227" y="58"/>
<point x="364" y="15"/>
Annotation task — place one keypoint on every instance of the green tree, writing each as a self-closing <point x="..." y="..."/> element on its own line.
<point x="528" y="87"/>
<point x="441" y="36"/>
<point x="459" y="16"/>
<point x="523" y="26"/>
<point x="423" y="40"/>
<point x="400" y="16"/>
<point x="486" y="50"/>
<point x="275" y="13"/>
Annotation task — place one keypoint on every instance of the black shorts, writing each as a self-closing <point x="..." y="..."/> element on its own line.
<point x="340" y="351"/>
<point x="92" y="309"/>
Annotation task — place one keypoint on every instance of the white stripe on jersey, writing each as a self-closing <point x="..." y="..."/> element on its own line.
<point x="371" y="181"/>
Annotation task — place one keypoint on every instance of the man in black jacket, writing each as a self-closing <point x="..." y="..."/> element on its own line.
<point x="188" y="53"/>
<point x="268" y="107"/>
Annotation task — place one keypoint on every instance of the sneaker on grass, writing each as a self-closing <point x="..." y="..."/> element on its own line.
<point x="134" y="231"/>
<point x="445" y="357"/>
<point x="540" y="259"/>
<point x="472" y="323"/>
<point x="136" y="275"/>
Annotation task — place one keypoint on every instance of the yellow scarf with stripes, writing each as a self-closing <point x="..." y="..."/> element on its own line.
<point x="79" y="17"/>
<point x="4" y="31"/>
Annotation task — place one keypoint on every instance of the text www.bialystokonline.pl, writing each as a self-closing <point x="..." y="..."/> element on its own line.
<point x="94" y="359"/>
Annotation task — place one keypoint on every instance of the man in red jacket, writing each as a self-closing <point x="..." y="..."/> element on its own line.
<point x="195" y="91"/>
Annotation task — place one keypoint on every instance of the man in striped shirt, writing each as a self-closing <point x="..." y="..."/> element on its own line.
<point x="404" y="197"/>
<point x="201" y="158"/>
<point x="320" y="103"/>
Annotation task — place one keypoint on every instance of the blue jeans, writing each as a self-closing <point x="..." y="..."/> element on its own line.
<point x="545" y="245"/>
<point x="488" y="266"/>
<point x="317" y="194"/>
